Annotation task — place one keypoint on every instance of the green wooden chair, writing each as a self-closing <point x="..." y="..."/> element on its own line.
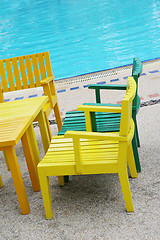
<point x="106" y="122"/>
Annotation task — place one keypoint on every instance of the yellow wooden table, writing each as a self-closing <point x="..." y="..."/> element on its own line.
<point x="16" y="123"/>
<point x="31" y="107"/>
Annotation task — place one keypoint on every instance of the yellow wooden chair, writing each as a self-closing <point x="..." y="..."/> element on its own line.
<point x="31" y="71"/>
<point x="78" y="153"/>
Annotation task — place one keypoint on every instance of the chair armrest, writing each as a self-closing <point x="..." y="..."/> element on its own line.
<point x="103" y="104"/>
<point x="105" y="86"/>
<point x="98" y="87"/>
<point x="89" y="112"/>
<point x="99" y="108"/>
<point x="47" y="80"/>
<point x="95" y="135"/>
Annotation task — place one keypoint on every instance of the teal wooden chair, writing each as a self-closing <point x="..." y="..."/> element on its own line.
<point x="107" y="122"/>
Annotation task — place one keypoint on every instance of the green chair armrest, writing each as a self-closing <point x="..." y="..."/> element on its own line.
<point x="107" y="86"/>
<point x="98" y="87"/>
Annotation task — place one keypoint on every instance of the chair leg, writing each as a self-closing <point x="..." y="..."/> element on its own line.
<point x="32" y="157"/>
<point x="123" y="177"/>
<point x="48" y="126"/>
<point x="58" y="116"/>
<point x="135" y="151"/>
<point x="66" y="179"/>
<point x="137" y="135"/>
<point x="46" y="195"/>
<point x="43" y="130"/>
<point x="1" y="183"/>
<point x="131" y="162"/>
<point x="61" y="181"/>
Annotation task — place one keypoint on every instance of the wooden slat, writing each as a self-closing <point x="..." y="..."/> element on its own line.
<point x="41" y="65"/>
<point x="16" y="74"/>
<point x="10" y="74"/>
<point x="36" y="70"/>
<point x="3" y="77"/>
<point x="48" y="64"/>
<point x="23" y="72"/>
<point x="1" y="95"/>
<point x="29" y="71"/>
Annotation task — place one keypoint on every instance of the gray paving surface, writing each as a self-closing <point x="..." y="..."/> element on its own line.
<point x="92" y="207"/>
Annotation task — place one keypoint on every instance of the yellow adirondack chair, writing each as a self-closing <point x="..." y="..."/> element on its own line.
<point x="78" y="153"/>
<point x="31" y="71"/>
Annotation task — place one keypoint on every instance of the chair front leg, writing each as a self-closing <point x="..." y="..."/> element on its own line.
<point x="45" y="190"/>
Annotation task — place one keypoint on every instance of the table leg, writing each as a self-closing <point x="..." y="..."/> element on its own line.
<point x="17" y="179"/>
<point x="43" y="130"/>
<point x="32" y="156"/>
<point x="5" y="157"/>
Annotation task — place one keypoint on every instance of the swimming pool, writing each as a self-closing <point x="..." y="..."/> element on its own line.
<point x="82" y="36"/>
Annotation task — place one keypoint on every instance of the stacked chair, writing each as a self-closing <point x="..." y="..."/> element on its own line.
<point x="100" y="142"/>
<point x="105" y="122"/>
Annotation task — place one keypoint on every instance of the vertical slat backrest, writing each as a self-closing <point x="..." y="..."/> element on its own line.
<point x="36" y="70"/>
<point x="25" y="71"/>
<point x="10" y="74"/>
<point x="127" y="107"/>
<point x="3" y="77"/>
<point x="30" y="76"/>
<point x="16" y="74"/>
<point x="136" y="72"/>
<point x="1" y="95"/>
<point x="48" y="64"/>
<point x="41" y="65"/>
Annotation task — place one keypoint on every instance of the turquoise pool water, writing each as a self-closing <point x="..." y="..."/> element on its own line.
<point x="82" y="36"/>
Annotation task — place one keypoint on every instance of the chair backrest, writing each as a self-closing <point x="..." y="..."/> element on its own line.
<point x="127" y="107"/>
<point x="136" y="72"/>
<point x="24" y="72"/>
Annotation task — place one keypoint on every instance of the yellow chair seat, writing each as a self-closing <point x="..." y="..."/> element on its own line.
<point x="93" y="153"/>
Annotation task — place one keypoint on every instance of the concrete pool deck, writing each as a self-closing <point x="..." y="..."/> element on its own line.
<point x="92" y="207"/>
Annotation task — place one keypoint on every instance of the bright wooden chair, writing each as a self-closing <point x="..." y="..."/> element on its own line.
<point x="106" y="122"/>
<point x="31" y="71"/>
<point x="79" y="153"/>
